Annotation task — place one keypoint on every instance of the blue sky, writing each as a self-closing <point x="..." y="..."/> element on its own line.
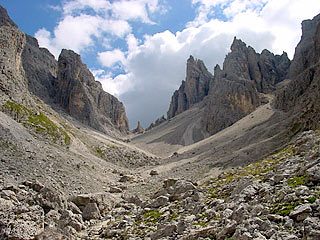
<point x="138" y="48"/>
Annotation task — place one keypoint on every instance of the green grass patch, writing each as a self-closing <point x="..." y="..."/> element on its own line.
<point x="297" y="181"/>
<point x="152" y="216"/>
<point x="37" y="121"/>
<point x="284" y="208"/>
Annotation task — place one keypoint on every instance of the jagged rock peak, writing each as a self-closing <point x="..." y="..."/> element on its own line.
<point x="5" y="20"/>
<point x="83" y="97"/>
<point x="193" y="89"/>
<point x="156" y="123"/>
<point x="301" y="96"/>
<point x="265" y="69"/>
<point x="139" y="129"/>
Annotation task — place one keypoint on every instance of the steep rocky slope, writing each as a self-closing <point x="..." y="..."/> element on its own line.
<point x="83" y="97"/>
<point x="301" y="96"/>
<point x="277" y="197"/>
<point x="26" y="69"/>
<point x="232" y="92"/>
<point x="193" y="89"/>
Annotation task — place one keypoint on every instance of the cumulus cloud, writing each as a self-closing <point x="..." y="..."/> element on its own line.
<point x="153" y="67"/>
<point x="115" y="86"/>
<point x="85" y="23"/>
<point x="157" y="64"/>
<point x="110" y="58"/>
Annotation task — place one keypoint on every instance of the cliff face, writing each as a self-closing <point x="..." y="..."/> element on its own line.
<point x="26" y="68"/>
<point x="232" y="92"/>
<point x="301" y="96"/>
<point x="264" y="70"/>
<point x="193" y="89"/>
<point x="230" y="99"/>
<point x="83" y="97"/>
<point x="12" y="43"/>
<point x="40" y="68"/>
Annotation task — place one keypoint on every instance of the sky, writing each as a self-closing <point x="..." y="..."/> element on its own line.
<point x="138" y="49"/>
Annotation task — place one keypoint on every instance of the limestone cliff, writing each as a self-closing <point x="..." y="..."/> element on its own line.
<point x="301" y="96"/>
<point x="193" y="89"/>
<point x="12" y="43"/>
<point x="83" y="97"/>
<point x="265" y="69"/>
<point x="231" y="93"/>
<point x="230" y="99"/>
<point x="27" y="70"/>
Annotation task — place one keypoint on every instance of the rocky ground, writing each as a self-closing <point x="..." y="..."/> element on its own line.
<point x="277" y="197"/>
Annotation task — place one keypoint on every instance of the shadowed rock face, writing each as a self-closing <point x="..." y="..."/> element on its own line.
<point x="83" y="97"/>
<point x="40" y="68"/>
<point x="301" y="96"/>
<point x="25" y="68"/>
<point x="5" y="20"/>
<point x="232" y="92"/>
<point x="193" y="89"/>
<point x="230" y="99"/>
<point x="265" y="69"/>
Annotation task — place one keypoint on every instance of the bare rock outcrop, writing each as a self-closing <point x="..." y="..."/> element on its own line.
<point x="26" y="68"/>
<point x="265" y="69"/>
<point x="232" y="92"/>
<point x="40" y="68"/>
<point x="156" y="123"/>
<point x="193" y="89"/>
<point x="230" y="99"/>
<point x="83" y="97"/>
<point x="5" y="20"/>
<point x="139" y="129"/>
<point x="301" y="96"/>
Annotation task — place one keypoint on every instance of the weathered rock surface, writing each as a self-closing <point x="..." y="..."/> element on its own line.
<point x="5" y="20"/>
<point x="139" y="129"/>
<point x="230" y="99"/>
<point x="83" y="97"/>
<point x="40" y="69"/>
<point x="301" y="95"/>
<point x="232" y="92"/>
<point x="25" y="68"/>
<point x="193" y="89"/>
<point x="265" y="70"/>
<point x="156" y="123"/>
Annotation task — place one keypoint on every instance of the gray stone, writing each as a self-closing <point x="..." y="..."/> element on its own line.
<point x="166" y="231"/>
<point x="301" y="212"/>
<point x="91" y="211"/>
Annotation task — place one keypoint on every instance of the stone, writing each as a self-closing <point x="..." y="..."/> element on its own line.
<point x="126" y="178"/>
<point x="301" y="212"/>
<point x="193" y="89"/>
<point x="166" y="231"/>
<point x="154" y="172"/>
<point x="160" y="201"/>
<point x="115" y="190"/>
<point x="91" y="211"/>
<point x="83" y="97"/>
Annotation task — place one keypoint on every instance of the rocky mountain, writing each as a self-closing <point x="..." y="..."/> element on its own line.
<point x="256" y="179"/>
<point x="232" y="92"/>
<point x="193" y="89"/>
<point x="83" y="97"/>
<point x="300" y="96"/>
<point x="156" y="122"/>
<point x="139" y="129"/>
<point x="65" y="83"/>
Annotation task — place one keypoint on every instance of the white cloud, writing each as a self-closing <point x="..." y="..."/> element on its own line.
<point x="110" y="58"/>
<point x="85" y="23"/>
<point x="115" y="86"/>
<point x="157" y="65"/>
